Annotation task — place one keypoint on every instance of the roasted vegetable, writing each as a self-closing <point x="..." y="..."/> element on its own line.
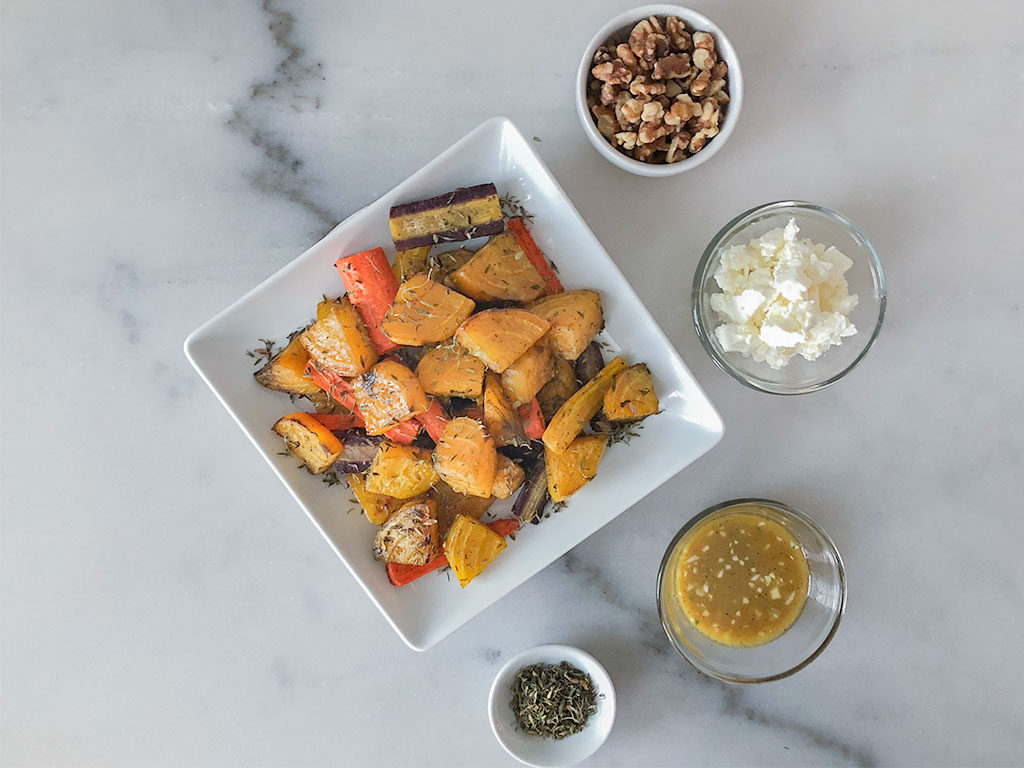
<point x="589" y="363"/>
<point x="522" y="235"/>
<point x="410" y="262"/>
<point x="533" y="496"/>
<point x="499" y="271"/>
<point x="402" y="471"/>
<point x="425" y="312"/>
<point x="400" y="575"/>
<point x="507" y="478"/>
<point x="286" y="372"/>
<point x="309" y="441"/>
<point x="324" y="403"/>
<point x="532" y="370"/>
<point x="451" y="503"/>
<point x="575" y="319"/>
<point x="410" y="535"/>
<point x="371" y="287"/>
<point x="580" y="408"/>
<point x="441" y="265"/>
<point x="500" y="336"/>
<point x="466" y="213"/>
<point x="631" y="396"/>
<point x="471" y="546"/>
<point x="357" y="448"/>
<point x="532" y="419"/>
<point x="450" y="371"/>
<point x="465" y="457"/>
<point x="377" y="507"/>
<point x="388" y="394"/>
<point x="562" y="386"/>
<point x="500" y="417"/>
<point x="338" y="342"/>
<point x="574" y="467"/>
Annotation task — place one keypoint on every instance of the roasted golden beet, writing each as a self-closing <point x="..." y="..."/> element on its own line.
<point x="499" y="271"/>
<point x="451" y="503"/>
<point x="500" y="417"/>
<point x="631" y="396"/>
<point x="574" y="467"/>
<point x="471" y="546"/>
<point x="410" y="262"/>
<point x="530" y="372"/>
<point x="500" y="336"/>
<point x="450" y="371"/>
<point x="465" y="457"/>
<point x="388" y="394"/>
<point x="286" y="372"/>
<point x="376" y="506"/>
<point x="575" y="318"/>
<point x="507" y="478"/>
<point x="309" y="441"/>
<point x="580" y="408"/>
<point x="338" y="342"/>
<point x="402" y="471"/>
<point x="425" y="312"/>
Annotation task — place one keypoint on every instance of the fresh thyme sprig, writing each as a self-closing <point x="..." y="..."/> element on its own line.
<point x="261" y="353"/>
<point x="512" y="208"/>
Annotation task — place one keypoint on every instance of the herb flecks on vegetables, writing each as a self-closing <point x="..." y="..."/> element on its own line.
<point x="553" y="701"/>
<point x="512" y="208"/>
<point x="262" y="353"/>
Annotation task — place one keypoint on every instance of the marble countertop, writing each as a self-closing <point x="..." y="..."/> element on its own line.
<point x="163" y="600"/>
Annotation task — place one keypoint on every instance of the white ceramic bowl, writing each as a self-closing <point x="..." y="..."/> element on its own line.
<point x="620" y="27"/>
<point x="551" y="753"/>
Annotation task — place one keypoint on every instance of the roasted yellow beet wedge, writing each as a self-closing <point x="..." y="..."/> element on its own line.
<point x="526" y="376"/>
<point x="470" y="547"/>
<point x="425" y="312"/>
<point x="631" y="396"/>
<point x="499" y="271"/>
<point x="500" y="418"/>
<point x="465" y="457"/>
<point x="286" y="372"/>
<point x="574" y="467"/>
<point x="499" y="337"/>
<point x="575" y="318"/>
<point x="309" y="441"/>
<point x="376" y="506"/>
<point x="450" y="371"/>
<point x="402" y="471"/>
<point x="579" y="409"/>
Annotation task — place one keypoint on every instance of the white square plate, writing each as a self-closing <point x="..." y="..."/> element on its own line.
<point x="429" y="609"/>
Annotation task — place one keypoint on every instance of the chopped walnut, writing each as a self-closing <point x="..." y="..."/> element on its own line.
<point x="703" y="59"/>
<point x="675" y="65"/>
<point x="658" y="97"/>
<point x="626" y="139"/>
<point x="614" y="72"/>
<point x="650" y="132"/>
<point x="647" y="41"/>
<point x="627" y="57"/>
<point x="606" y="123"/>
<point x="609" y="92"/>
<point x="642" y="86"/>
<point x="699" y="84"/>
<point x="704" y="40"/>
<point x="652" y="112"/>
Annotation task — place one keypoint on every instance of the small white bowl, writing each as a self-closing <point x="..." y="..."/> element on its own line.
<point x="620" y="27"/>
<point x="551" y="753"/>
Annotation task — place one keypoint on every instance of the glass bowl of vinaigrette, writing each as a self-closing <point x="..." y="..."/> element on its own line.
<point x="751" y="590"/>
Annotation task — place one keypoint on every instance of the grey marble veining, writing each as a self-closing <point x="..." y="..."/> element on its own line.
<point x="163" y="601"/>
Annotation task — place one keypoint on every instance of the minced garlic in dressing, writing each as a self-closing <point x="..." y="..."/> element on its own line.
<point x="741" y="578"/>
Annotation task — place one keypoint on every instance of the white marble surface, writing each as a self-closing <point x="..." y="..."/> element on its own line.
<point x="163" y="600"/>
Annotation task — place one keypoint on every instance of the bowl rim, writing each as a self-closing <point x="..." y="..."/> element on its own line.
<point x="555" y="652"/>
<point x="723" y="45"/>
<point x="701" y="273"/>
<point x="778" y="505"/>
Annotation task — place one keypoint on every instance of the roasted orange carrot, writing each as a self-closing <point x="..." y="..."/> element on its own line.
<point x="518" y="228"/>
<point x="433" y="420"/>
<point x="371" y="286"/>
<point x="400" y="575"/>
<point x="532" y="419"/>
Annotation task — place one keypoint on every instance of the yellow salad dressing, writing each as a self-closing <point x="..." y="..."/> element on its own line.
<point x="742" y="578"/>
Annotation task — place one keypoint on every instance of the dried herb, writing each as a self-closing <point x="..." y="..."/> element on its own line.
<point x="553" y="701"/>
<point x="263" y="352"/>
<point x="331" y="477"/>
<point x="511" y="208"/>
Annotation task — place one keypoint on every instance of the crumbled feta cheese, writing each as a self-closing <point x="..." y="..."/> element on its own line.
<point x="782" y="296"/>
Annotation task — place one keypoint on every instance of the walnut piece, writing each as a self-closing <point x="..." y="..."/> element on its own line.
<point x="652" y="112"/>
<point x="606" y="123"/>
<point x="703" y="59"/>
<point x="642" y="86"/>
<point x="614" y="72"/>
<point x="674" y="65"/>
<point x="609" y="92"/>
<point x="626" y="139"/>
<point x="647" y="41"/>
<point x="650" y="132"/>
<point x="632" y="109"/>
<point x="699" y="84"/>
<point x="627" y="57"/>
<point x="704" y="40"/>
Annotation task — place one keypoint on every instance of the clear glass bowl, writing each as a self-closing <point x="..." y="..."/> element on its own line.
<point x="865" y="279"/>
<point x="799" y="645"/>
